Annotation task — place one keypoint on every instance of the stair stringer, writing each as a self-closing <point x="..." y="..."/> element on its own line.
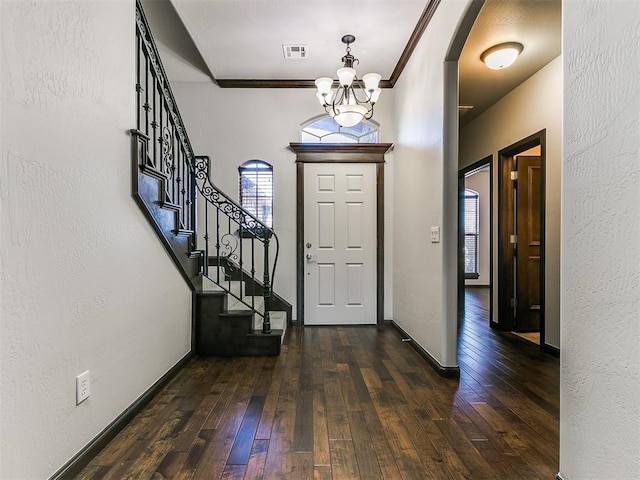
<point x="148" y="191"/>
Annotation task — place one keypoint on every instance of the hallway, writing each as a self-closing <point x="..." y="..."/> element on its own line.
<point x="351" y="402"/>
<point x="516" y="384"/>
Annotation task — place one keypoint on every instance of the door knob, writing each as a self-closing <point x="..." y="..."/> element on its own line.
<point x="308" y="244"/>
<point x="309" y="256"/>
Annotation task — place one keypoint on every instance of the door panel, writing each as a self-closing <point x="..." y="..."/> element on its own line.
<point x="326" y="284"/>
<point x="340" y="244"/>
<point x="506" y="260"/>
<point x="529" y="228"/>
<point x="326" y="223"/>
<point x="355" y="284"/>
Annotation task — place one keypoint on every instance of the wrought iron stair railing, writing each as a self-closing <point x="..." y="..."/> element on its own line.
<point x="235" y="241"/>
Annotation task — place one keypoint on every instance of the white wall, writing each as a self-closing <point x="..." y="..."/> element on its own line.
<point x="418" y="188"/>
<point x="600" y="336"/>
<point x="236" y="125"/>
<point x="85" y="283"/>
<point x="480" y="182"/>
<point x="533" y="106"/>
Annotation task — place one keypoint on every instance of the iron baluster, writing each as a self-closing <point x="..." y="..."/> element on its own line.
<point x="160" y="140"/>
<point x="205" y="261"/>
<point x="253" y="264"/>
<point x="218" y="245"/>
<point x="179" y="191"/>
<point x="183" y="194"/>
<point x="193" y="210"/>
<point x="178" y="187"/>
<point x="229" y="269"/>
<point x="266" y="324"/>
<point x="146" y="99"/>
<point x="154" y="128"/>
<point x="138" y="85"/>
<point x="240" y="262"/>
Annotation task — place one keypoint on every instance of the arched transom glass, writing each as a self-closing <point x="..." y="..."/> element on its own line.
<point x="324" y="129"/>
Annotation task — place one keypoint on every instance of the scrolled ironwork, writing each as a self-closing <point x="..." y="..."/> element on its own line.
<point x="167" y="150"/>
<point x="225" y="204"/>
<point x="201" y="167"/>
<point x="229" y="245"/>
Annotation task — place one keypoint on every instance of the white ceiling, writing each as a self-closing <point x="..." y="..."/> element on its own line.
<point x="242" y="39"/>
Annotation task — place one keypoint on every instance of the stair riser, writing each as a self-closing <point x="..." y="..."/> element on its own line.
<point x="229" y="334"/>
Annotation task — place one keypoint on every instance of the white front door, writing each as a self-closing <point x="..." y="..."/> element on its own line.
<point x="340" y="243"/>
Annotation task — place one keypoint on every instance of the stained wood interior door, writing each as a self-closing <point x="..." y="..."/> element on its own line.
<point x="529" y="246"/>
<point x="340" y="244"/>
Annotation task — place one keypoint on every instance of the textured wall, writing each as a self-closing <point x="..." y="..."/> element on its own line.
<point x="85" y="283"/>
<point x="533" y="106"/>
<point x="236" y="125"/>
<point x="600" y="336"/>
<point x="418" y="187"/>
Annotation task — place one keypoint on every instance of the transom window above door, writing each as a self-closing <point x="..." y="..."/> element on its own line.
<point x="324" y="129"/>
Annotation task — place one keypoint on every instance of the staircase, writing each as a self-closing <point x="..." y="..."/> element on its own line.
<point x="219" y="247"/>
<point x="227" y="328"/>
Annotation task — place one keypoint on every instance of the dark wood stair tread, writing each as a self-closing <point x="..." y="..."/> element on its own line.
<point x="236" y="313"/>
<point x="170" y="206"/>
<point x="276" y="332"/>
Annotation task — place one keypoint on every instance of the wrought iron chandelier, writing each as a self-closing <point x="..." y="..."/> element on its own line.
<point x="351" y="102"/>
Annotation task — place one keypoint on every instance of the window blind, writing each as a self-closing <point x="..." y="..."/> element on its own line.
<point x="471" y="233"/>
<point x="256" y="190"/>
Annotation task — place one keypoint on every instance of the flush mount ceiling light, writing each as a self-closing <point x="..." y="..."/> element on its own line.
<point x="502" y="55"/>
<point x="349" y="105"/>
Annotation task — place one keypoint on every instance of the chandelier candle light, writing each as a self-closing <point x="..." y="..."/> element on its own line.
<point x="344" y="105"/>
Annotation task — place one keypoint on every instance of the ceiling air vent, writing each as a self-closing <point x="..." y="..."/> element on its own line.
<point x="294" y="51"/>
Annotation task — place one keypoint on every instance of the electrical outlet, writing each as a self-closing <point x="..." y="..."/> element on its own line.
<point x="435" y="234"/>
<point x="82" y="387"/>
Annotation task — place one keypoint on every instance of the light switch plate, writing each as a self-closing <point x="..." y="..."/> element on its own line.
<point x="435" y="234"/>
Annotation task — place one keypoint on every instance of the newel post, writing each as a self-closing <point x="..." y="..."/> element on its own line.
<point x="266" y="324"/>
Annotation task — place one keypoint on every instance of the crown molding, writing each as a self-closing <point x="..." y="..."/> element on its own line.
<point x="418" y="31"/>
<point x="421" y="26"/>
<point x="274" y="83"/>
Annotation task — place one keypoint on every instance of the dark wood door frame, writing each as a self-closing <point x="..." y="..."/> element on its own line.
<point x="505" y="227"/>
<point x="339" y="153"/>
<point x="462" y="174"/>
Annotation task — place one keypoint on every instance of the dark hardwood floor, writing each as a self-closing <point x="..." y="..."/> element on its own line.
<point x="351" y="403"/>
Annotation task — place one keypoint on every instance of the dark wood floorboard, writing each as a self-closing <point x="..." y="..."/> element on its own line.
<point x="351" y="403"/>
